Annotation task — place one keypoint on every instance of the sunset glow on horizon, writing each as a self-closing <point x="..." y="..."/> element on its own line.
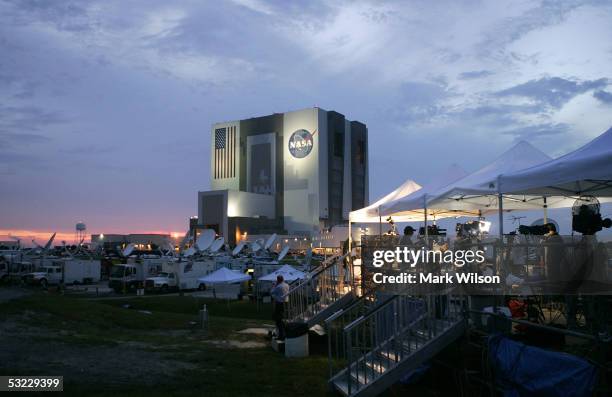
<point x="42" y="236"/>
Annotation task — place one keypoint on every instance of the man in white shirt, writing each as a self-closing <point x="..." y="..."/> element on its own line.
<point x="279" y="294"/>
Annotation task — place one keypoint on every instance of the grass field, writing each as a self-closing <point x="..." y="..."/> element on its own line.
<point x="150" y="347"/>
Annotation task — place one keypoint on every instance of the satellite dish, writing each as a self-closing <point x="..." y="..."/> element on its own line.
<point x="206" y="239"/>
<point x="217" y="244"/>
<point x="190" y="251"/>
<point x="128" y="250"/>
<point x="282" y="253"/>
<point x="255" y="246"/>
<point x="238" y="248"/>
<point x="270" y="241"/>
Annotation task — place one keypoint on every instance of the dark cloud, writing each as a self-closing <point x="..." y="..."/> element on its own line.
<point x="553" y="91"/>
<point x="477" y="74"/>
<point x="603" y="96"/>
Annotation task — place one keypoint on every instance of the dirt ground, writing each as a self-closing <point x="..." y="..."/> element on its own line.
<point x="7" y="294"/>
<point x="133" y="346"/>
<point x="24" y="348"/>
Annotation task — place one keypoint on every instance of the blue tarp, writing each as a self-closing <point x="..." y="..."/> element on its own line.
<point x="530" y="371"/>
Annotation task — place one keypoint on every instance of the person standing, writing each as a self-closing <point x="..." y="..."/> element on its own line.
<point x="280" y="293"/>
<point x="406" y="239"/>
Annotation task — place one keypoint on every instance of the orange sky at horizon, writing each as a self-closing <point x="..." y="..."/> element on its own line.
<point x="42" y="236"/>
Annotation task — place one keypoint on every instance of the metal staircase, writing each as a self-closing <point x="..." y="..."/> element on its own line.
<point x="327" y="289"/>
<point x="393" y="338"/>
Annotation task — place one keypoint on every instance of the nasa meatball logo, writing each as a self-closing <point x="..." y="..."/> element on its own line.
<point x="300" y="144"/>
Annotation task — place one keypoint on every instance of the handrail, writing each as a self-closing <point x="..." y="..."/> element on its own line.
<point x="331" y="261"/>
<point x="324" y="286"/>
<point x="377" y="341"/>
<point x="388" y="301"/>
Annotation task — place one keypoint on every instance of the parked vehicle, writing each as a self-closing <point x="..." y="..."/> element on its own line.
<point x="130" y="276"/>
<point x="68" y="271"/>
<point x="16" y="270"/>
<point x="180" y="276"/>
<point x="3" y="271"/>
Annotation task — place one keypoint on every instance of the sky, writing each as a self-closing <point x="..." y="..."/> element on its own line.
<point x="106" y="106"/>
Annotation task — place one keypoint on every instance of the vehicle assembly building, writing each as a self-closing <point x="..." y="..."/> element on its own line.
<point x="292" y="173"/>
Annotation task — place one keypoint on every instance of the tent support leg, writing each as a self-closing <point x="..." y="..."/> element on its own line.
<point x="425" y="220"/>
<point x="350" y="237"/>
<point x="500" y="207"/>
<point x="379" y="223"/>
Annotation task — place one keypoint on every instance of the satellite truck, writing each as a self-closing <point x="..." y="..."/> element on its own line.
<point x="178" y="276"/>
<point x="70" y="271"/>
<point x="185" y="275"/>
<point x="131" y="276"/>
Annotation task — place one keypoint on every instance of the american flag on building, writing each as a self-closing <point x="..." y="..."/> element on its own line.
<point x="225" y="149"/>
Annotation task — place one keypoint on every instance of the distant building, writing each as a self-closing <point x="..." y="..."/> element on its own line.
<point x="9" y="244"/>
<point x="293" y="173"/>
<point x="143" y="241"/>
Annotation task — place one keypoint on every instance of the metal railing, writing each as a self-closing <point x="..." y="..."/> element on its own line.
<point x="324" y="286"/>
<point x="335" y="324"/>
<point x="390" y="333"/>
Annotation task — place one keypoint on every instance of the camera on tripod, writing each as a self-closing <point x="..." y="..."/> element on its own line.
<point x="533" y="230"/>
<point x="432" y="230"/>
<point x="586" y="218"/>
<point x="472" y="228"/>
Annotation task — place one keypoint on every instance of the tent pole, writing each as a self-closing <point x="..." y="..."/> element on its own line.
<point x="545" y="211"/>
<point x="350" y="236"/>
<point x="500" y="207"/>
<point x="379" y="222"/>
<point x="425" y="219"/>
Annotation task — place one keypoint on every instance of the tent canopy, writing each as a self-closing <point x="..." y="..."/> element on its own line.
<point x="412" y="205"/>
<point x="477" y="191"/>
<point x="224" y="276"/>
<point x="289" y="273"/>
<point x="585" y="171"/>
<point x="370" y="214"/>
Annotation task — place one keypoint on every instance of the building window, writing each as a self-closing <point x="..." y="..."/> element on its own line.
<point x="360" y="151"/>
<point x="338" y="144"/>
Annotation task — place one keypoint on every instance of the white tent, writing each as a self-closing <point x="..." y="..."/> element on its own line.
<point x="288" y="272"/>
<point x="585" y="171"/>
<point x="413" y="204"/>
<point x="477" y="192"/>
<point x="370" y="213"/>
<point x="224" y="276"/>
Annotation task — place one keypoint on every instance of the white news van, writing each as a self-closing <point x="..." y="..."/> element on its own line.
<point x="70" y="271"/>
<point x="180" y="276"/>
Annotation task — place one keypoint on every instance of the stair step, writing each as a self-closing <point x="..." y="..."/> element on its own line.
<point x="377" y="365"/>
<point x="411" y="346"/>
<point x="363" y="373"/>
<point x="421" y="334"/>
<point x="392" y="356"/>
<point x="380" y="368"/>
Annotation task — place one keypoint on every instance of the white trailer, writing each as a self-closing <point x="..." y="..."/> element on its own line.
<point x="180" y="275"/>
<point x="81" y="271"/>
<point x="70" y="271"/>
